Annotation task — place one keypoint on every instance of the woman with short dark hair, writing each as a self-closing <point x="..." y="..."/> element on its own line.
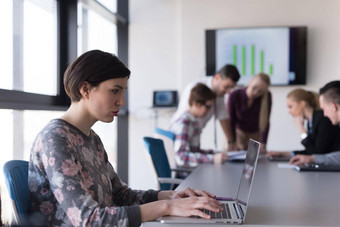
<point x="71" y="181"/>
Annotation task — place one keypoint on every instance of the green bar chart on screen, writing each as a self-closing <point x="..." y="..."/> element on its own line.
<point x="251" y="51"/>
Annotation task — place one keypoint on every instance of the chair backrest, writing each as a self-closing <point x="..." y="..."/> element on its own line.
<point x="159" y="159"/>
<point x="166" y="133"/>
<point x="168" y="140"/>
<point x="16" y="178"/>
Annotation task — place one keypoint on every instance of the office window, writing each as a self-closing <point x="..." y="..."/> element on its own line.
<point x="40" y="47"/>
<point x="20" y="129"/>
<point x="38" y="40"/>
<point x="109" y="4"/>
<point x="6" y="135"/>
<point x="95" y="31"/>
<point x="28" y="54"/>
<point x="6" y="53"/>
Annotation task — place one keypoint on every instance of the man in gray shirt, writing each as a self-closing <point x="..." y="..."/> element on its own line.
<point x="330" y="103"/>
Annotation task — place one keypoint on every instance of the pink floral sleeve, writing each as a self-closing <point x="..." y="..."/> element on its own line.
<point x="72" y="183"/>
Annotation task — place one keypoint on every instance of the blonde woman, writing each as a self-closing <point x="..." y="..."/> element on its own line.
<point x="249" y="108"/>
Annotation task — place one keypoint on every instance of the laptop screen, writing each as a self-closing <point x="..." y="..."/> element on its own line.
<point x="248" y="172"/>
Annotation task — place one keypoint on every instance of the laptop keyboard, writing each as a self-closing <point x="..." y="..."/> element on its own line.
<point x="224" y="214"/>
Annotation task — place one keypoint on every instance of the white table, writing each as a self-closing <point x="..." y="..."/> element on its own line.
<point x="279" y="197"/>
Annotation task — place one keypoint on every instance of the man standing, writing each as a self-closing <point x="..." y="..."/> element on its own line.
<point x="330" y="103"/>
<point x="221" y="83"/>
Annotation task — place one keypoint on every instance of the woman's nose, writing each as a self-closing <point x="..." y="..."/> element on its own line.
<point x="121" y="101"/>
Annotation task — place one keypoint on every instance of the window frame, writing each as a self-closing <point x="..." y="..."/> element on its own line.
<point x="66" y="53"/>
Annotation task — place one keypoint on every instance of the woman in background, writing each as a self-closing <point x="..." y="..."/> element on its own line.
<point x="71" y="181"/>
<point x="249" y="110"/>
<point x="320" y="136"/>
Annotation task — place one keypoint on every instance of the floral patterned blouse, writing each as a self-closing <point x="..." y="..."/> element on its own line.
<point x="72" y="183"/>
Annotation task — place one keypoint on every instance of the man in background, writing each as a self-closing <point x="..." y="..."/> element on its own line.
<point x="330" y="103"/>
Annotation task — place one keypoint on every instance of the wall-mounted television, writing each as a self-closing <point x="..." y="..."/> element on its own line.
<point x="279" y="52"/>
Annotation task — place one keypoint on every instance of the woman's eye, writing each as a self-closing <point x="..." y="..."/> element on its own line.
<point x="115" y="91"/>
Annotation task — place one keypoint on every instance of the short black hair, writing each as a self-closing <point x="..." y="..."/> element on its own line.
<point x="331" y="91"/>
<point x="229" y="71"/>
<point x="94" y="67"/>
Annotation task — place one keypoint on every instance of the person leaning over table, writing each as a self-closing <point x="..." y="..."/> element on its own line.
<point x="249" y="109"/>
<point x="187" y="131"/>
<point x="320" y="136"/>
<point x="71" y="181"/>
<point x="330" y="103"/>
<point x="221" y="83"/>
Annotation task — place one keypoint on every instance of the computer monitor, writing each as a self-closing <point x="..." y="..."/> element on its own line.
<point x="166" y="98"/>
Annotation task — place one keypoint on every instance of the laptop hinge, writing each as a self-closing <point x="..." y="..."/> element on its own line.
<point x="239" y="210"/>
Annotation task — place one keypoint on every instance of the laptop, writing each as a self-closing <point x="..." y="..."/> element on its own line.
<point x="237" y="156"/>
<point x="279" y="159"/>
<point x="318" y="167"/>
<point x="234" y="209"/>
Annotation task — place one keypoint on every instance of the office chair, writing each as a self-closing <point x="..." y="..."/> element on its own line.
<point x="166" y="133"/>
<point x="16" y="178"/>
<point x="168" y="140"/>
<point x="160" y="162"/>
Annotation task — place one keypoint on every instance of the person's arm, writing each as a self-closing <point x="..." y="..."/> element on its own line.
<point x="184" y="203"/>
<point x="301" y="159"/>
<point x="332" y="158"/>
<point x="190" y="206"/>
<point x="125" y="196"/>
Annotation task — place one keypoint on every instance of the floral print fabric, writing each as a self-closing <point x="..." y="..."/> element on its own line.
<point x="72" y="183"/>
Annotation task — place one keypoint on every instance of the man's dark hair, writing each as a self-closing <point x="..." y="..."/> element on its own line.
<point x="331" y="91"/>
<point x="229" y="71"/>
<point x="94" y="67"/>
<point x="200" y="93"/>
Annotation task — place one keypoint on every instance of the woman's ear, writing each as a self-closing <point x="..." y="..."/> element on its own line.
<point x="84" y="89"/>
<point x="303" y="103"/>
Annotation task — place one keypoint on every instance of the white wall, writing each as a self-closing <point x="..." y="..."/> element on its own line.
<point x="167" y="52"/>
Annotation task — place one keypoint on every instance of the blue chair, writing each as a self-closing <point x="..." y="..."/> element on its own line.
<point x="168" y="140"/>
<point x="160" y="162"/>
<point x="166" y="133"/>
<point x="16" y="178"/>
